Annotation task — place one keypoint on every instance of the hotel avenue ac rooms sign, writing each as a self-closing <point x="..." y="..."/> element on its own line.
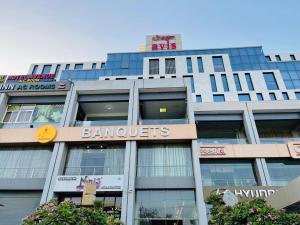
<point x="49" y="133"/>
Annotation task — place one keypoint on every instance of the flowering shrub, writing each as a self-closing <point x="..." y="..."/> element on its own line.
<point x="252" y="212"/>
<point x="68" y="213"/>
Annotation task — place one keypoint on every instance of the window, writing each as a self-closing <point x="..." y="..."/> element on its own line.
<point x="227" y="172"/>
<point x="189" y="65"/>
<point x="244" y="97"/>
<point x="57" y="69"/>
<point x="213" y="83"/>
<point x="268" y="58"/>
<point x="270" y="81"/>
<point x="219" y="98"/>
<point x="237" y="82"/>
<point x="165" y="207"/>
<point x="78" y="67"/>
<point x="164" y="160"/>
<point x="218" y="64"/>
<point x="95" y="160"/>
<point x="153" y="66"/>
<point x="283" y="171"/>
<point x="272" y="96"/>
<point x="225" y="82"/>
<point x="24" y="162"/>
<point x="285" y="96"/>
<point x="46" y="69"/>
<point x="259" y="97"/>
<point x="67" y="66"/>
<point x="170" y="66"/>
<point x="34" y="70"/>
<point x="278" y="58"/>
<point x="102" y="65"/>
<point x="200" y="65"/>
<point x="198" y="98"/>
<point x="249" y="82"/>
<point x="297" y="95"/>
<point x="94" y="66"/>
<point x="293" y="57"/>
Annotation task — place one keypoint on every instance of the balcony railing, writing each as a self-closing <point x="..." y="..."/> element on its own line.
<point x="278" y="140"/>
<point x="229" y="182"/>
<point x="26" y="125"/>
<point x="93" y="170"/>
<point x="79" y="123"/>
<point x="222" y="141"/>
<point x="15" y="173"/>
<point x="155" y="171"/>
<point x="163" y="121"/>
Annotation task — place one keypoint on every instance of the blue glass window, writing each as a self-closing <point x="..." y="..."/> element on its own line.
<point x="237" y="82"/>
<point x="225" y="82"/>
<point x="78" y="66"/>
<point x="67" y="66"/>
<point x="293" y="57"/>
<point x="189" y="65"/>
<point x="260" y="97"/>
<point x="272" y="96"/>
<point x="34" y="69"/>
<point x="46" y="69"/>
<point x="153" y="66"/>
<point x="297" y="95"/>
<point x="270" y="81"/>
<point x="218" y="63"/>
<point x="170" y="66"/>
<point x="219" y="98"/>
<point x="94" y="66"/>
<point x="57" y="69"/>
<point x="213" y="83"/>
<point x="268" y="58"/>
<point x="278" y="58"/>
<point x="198" y="98"/>
<point x="200" y="65"/>
<point x="244" y="97"/>
<point x="285" y="96"/>
<point x="249" y="82"/>
<point x="102" y="65"/>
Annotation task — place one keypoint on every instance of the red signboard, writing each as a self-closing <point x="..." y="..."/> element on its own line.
<point x="31" y="78"/>
<point x="164" y="42"/>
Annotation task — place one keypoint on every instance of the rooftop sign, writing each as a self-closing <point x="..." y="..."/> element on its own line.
<point x="163" y="42"/>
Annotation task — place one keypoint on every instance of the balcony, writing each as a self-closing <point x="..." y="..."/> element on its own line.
<point x="222" y="141"/>
<point x="79" y="123"/>
<point x="91" y="170"/>
<point x="26" y="125"/>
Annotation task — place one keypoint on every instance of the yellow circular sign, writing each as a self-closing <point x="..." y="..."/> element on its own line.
<point x="46" y="134"/>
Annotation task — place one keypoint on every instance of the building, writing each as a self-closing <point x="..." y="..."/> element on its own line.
<point x="156" y="131"/>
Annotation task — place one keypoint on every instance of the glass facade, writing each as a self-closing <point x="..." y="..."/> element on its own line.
<point x="283" y="171"/>
<point x="166" y="160"/>
<point x="165" y="207"/>
<point x="95" y="160"/>
<point x="224" y="172"/>
<point x="24" y="162"/>
<point x="218" y="64"/>
<point x="270" y="81"/>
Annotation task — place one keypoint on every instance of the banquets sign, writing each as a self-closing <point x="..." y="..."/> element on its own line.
<point x="77" y="183"/>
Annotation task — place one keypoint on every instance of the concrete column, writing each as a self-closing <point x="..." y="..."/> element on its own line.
<point x="200" y="201"/>
<point x="132" y="159"/>
<point x="3" y="104"/>
<point x="71" y="107"/>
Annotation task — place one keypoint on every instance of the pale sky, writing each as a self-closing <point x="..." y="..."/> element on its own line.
<point x="33" y="31"/>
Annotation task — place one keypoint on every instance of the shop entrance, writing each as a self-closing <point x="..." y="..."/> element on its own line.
<point x="166" y="222"/>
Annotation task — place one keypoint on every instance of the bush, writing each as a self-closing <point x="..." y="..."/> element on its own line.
<point x="68" y="213"/>
<point x="251" y="212"/>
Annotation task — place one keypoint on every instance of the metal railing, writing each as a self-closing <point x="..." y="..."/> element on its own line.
<point x="94" y="170"/>
<point x="278" y="140"/>
<point x="79" y="123"/>
<point x="26" y="125"/>
<point x="163" y="121"/>
<point x="229" y="182"/>
<point x="222" y="141"/>
<point x="15" y="173"/>
<point x="153" y="171"/>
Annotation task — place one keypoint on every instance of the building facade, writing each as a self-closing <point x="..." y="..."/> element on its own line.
<point x="156" y="131"/>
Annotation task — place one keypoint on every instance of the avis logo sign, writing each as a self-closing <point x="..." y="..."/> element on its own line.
<point x="163" y="42"/>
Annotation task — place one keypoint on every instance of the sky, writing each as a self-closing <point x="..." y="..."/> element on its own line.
<point x="42" y="31"/>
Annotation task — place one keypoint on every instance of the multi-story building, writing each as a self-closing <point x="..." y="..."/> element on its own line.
<point x="157" y="131"/>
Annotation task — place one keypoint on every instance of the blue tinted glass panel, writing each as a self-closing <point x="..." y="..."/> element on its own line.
<point x="218" y="64"/>
<point x="270" y="81"/>
<point x="189" y="65"/>
<point x="237" y="82"/>
<point x="285" y="95"/>
<point x="200" y="65"/>
<point x="57" y="69"/>
<point x="249" y="82"/>
<point x="272" y="96"/>
<point x="94" y="66"/>
<point x="78" y="66"/>
<point x="225" y="82"/>
<point x="67" y="66"/>
<point x="259" y="97"/>
<point x="219" y="98"/>
<point x="297" y="95"/>
<point x="46" y="69"/>
<point x="213" y="83"/>
<point x="34" y="69"/>
<point x="244" y="97"/>
<point x="198" y="98"/>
